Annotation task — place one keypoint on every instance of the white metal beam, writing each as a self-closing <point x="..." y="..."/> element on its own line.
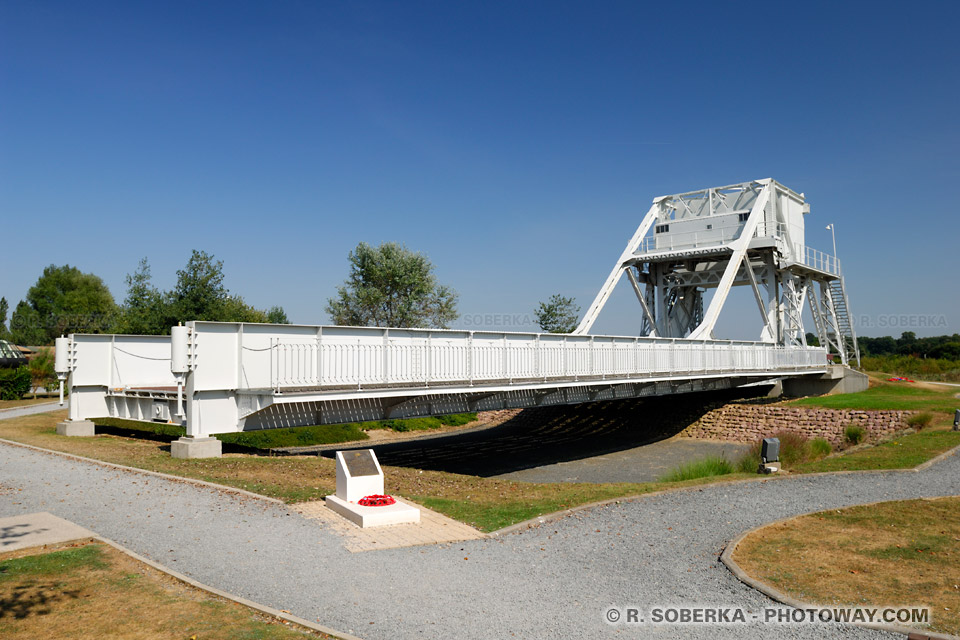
<point x="739" y="246"/>
<point x="604" y="294"/>
<point x="643" y="303"/>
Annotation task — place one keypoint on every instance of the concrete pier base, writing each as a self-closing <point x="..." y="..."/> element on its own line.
<point x="196" y="448"/>
<point x="75" y="428"/>
<point x="837" y="379"/>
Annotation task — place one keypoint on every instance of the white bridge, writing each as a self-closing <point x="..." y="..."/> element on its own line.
<point x="226" y="377"/>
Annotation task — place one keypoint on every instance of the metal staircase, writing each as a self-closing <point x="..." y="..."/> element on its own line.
<point x="841" y="307"/>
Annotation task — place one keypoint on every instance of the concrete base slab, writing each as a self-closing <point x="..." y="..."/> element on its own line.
<point x="36" y="529"/>
<point x="75" y="428"/>
<point x="196" y="448"/>
<point x="396" y="513"/>
<point x="433" y="528"/>
<point x="837" y="379"/>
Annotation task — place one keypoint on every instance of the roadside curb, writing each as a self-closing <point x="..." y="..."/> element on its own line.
<point x="775" y="594"/>
<point x="270" y="611"/>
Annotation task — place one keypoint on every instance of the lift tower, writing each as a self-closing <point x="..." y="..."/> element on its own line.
<point x="748" y="234"/>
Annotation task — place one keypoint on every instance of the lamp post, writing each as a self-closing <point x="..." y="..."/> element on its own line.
<point x="833" y="233"/>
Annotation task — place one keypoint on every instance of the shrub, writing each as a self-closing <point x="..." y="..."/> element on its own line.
<point x="413" y="424"/>
<point x="819" y="448"/>
<point x="704" y="468"/>
<point x="793" y="449"/>
<point x="294" y="436"/>
<point x="854" y="434"/>
<point x="920" y="421"/>
<point x="419" y="424"/>
<point x="14" y="383"/>
<point x="457" y="419"/>
<point x="749" y="462"/>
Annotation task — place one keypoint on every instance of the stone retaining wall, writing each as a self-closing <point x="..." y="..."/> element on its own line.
<point x="750" y="422"/>
<point x="498" y="416"/>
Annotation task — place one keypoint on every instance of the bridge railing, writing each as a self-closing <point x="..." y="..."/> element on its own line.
<point x="362" y="357"/>
<point x="227" y="356"/>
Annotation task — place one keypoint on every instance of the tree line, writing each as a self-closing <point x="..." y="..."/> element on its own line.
<point x="908" y="344"/>
<point x="387" y="285"/>
<point x="66" y="300"/>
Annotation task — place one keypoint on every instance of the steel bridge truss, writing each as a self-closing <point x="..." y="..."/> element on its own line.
<point x="670" y="272"/>
<point x="225" y="377"/>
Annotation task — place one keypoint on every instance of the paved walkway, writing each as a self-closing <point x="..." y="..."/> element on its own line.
<point x="36" y="529"/>
<point x="553" y="581"/>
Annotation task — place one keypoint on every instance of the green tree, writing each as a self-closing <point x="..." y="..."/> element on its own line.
<point x="41" y="368"/>
<point x="4" y="309"/>
<point x="63" y="300"/>
<point x="276" y="315"/>
<point x="812" y="340"/>
<point x="201" y="295"/>
<point x="392" y="286"/>
<point x="144" y="309"/>
<point x="558" y="315"/>
<point x="234" y="309"/>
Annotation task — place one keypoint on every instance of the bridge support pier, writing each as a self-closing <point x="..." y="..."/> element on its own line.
<point x="75" y="428"/>
<point x="188" y="447"/>
<point x="837" y="379"/>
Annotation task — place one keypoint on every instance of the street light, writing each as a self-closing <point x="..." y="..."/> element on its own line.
<point x="833" y="232"/>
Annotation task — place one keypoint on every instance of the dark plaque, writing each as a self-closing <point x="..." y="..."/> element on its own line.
<point x="360" y="463"/>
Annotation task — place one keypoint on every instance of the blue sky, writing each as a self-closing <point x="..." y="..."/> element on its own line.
<point x="517" y="144"/>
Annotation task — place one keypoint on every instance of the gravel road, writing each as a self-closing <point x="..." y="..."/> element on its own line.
<point x="30" y="409"/>
<point x="555" y="581"/>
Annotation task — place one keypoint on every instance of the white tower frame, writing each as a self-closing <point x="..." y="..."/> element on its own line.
<point x="669" y="273"/>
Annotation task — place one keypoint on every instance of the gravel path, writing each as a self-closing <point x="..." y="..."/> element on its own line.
<point x="555" y="581"/>
<point x="30" y="409"/>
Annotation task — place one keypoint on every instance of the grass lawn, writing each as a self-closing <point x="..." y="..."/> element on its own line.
<point x="858" y="556"/>
<point x="891" y="395"/>
<point x="91" y="590"/>
<point x="900" y="453"/>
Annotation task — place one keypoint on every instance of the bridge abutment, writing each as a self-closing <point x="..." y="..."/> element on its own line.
<point x="837" y="379"/>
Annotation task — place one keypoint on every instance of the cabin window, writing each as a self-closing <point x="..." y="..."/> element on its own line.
<point x="661" y="228"/>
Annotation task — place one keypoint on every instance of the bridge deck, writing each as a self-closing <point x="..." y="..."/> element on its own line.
<point x="242" y="376"/>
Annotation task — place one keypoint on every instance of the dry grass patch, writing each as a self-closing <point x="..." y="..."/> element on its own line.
<point x="90" y="590"/>
<point x="892" y="554"/>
